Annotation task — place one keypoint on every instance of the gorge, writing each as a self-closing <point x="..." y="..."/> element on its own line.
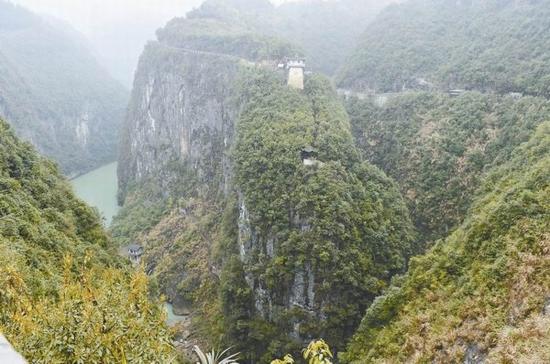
<point x="277" y="196"/>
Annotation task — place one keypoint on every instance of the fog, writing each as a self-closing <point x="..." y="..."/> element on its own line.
<point x="117" y="29"/>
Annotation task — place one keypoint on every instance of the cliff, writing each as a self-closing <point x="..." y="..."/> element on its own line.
<point x="238" y="232"/>
<point x="55" y="94"/>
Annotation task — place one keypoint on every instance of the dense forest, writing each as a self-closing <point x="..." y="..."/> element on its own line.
<point x="488" y="46"/>
<point x="408" y="227"/>
<point x="439" y="148"/>
<point x="54" y="92"/>
<point x="483" y="291"/>
<point x="65" y="296"/>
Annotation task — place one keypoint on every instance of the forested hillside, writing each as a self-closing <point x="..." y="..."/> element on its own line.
<point x="318" y="243"/>
<point x="482" y="293"/>
<point x="438" y="148"/>
<point x="489" y="46"/>
<point x="55" y="94"/>
<point x="272" y="216"/>
<point x="65" y="297"/>
<point x="264" y="252"/>
<point x="326" y="31"/>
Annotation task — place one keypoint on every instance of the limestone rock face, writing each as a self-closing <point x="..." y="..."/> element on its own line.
<point x="180" y="117"/>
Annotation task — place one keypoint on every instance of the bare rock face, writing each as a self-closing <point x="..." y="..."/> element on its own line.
<point x="474" y="355"/>
<point x="180" y="117"/>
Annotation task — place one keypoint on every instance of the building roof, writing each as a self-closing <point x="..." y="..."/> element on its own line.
<point x="309" y="149"/>
<point x="134" y="247"/>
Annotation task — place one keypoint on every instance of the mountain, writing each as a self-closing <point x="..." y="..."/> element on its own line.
<point x="481" y="294"/>
<point x="489" y="46"/>
<point x="255" y="244"/>
<point x="327" y="31"/>
<point x="438" y="148"/>
<point x="271" y="216"/>
<point x="64" y="296"/>
<point x="54" y="92"/>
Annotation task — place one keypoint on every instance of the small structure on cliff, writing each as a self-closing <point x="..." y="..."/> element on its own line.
<point x="456" y="92"/>
<point x="135" y="251"/>
<point x="295" y="69"/>
<point x="309" y="156"/>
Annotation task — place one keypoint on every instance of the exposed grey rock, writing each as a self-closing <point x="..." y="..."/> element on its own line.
<point x="474" y="355"/>
<point x="546" y="308"/>
<point x="180" y="119"/>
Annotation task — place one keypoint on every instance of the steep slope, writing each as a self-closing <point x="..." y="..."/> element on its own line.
<point x="489" y="46"/>
<point x="438" y="148"/>
<point x="263" y="251"/>
<point x="174" y="169"/>
<point x="63" y="295"/>
<point x="55" y="94"/>
<point x="315" y="243"/>
<point x="482" y="293"/>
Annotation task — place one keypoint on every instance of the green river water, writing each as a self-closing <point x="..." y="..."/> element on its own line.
<point x="99" y="189"/>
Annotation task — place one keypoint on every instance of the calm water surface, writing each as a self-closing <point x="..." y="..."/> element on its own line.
<point x="99" y="188"/>
<point x="172" y="319"/>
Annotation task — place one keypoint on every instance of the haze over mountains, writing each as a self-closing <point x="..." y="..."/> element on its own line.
<point x="368" y="181"/>
<point x="55" y="93"/>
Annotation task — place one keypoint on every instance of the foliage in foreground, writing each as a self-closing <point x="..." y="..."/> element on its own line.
<point x="317" y="352"/>
<point x="483" y="289"/>
<point x="214" y="357"/>
<point x="64" y="297"/>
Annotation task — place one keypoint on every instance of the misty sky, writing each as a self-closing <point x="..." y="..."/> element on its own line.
<point x="116" y="29"/>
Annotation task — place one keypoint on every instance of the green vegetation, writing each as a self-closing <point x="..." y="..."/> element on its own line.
<point x="439" y="148"/>
<point x="64" y="297"/>
<point x="498" y="46"/>
<point x="326" y="31"/>
<point x="54" y="93"/>
<point x="317" y="352"/>
<point x="341" y="225"/>
<point x="267" y="252"/>
<point x="216" y="36"/>
<point x="482" y="288"/>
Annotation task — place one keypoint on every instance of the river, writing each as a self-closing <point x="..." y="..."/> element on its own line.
<point x="98" y="188"/>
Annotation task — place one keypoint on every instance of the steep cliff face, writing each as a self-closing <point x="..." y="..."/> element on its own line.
<point x="262" y="248"/>
<point x="317" y="238"/>
<point x="184" y="103"/>
<point x="175" y="168"/>
<point x="55" y="94"/>
<point x="180" y="116"/>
